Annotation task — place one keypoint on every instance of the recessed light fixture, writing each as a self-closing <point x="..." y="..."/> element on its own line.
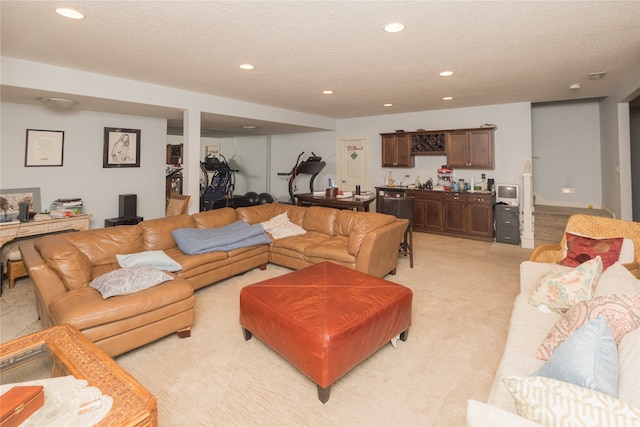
<point x="247" y="67"/>
<point x="59" y="102"/>
<point x="575" y="86"/>
<point x="388" y="105"/>
<point x="597" y="75"/>
<point x="69" y="13"/>
<point x="446" y="73"/>
<point x="327" y="92"/>
<point x="248" y="127"/>
<point x="394" y="27"/>
<point x="447" y="98"/>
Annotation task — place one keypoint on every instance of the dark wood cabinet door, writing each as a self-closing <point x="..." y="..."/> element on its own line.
<point x="457" y="145"/>
<point x="389" y="156"/>
<point x="403" y="147"/>
<point x="455" y="209"/>
<point x="434" y="215"/>
<point x="481" y="149"/>
<point x="396" y="151"/>
<point x="480" y="216"/>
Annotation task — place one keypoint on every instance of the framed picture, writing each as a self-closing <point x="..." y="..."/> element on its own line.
<point x="44" y="147"/>
<point x="212" y="150"/>
<point x="121" y="148"/>
<point x="12" y="197"/>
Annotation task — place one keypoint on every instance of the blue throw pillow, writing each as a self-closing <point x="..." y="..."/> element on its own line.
<point x="588" y="358"/>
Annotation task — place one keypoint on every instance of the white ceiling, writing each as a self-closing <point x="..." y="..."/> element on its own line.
<point x="499" y="51"/>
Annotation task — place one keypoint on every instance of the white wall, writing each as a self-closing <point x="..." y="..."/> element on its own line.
<point x="566" y="149"/>
<point x="635" y="160"/>
<point x="615" y="147"/>
<point x="82" y="174"/>
<point x="512" y="144"/>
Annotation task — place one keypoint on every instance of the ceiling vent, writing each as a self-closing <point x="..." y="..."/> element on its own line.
<point x="598" y="75"/>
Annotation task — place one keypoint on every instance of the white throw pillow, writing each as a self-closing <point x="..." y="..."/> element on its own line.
<point x="128" y="280"/>
<point x="156" y="259"/>
<point x="617" y="280"/>
<point x="279" y="226"/>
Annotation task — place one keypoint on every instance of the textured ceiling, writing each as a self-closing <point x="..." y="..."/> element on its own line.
<point x="500" y="52"/>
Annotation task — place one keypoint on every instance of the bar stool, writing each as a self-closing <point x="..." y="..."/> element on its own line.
<point x="402" y="207"/>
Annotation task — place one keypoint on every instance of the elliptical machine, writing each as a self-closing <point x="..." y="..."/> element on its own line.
<point x="312" y="166"/>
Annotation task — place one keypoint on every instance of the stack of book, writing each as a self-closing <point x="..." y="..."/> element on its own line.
<point x="62" y="208"/>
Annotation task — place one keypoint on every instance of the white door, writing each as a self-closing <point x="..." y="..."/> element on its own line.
<point x="353" y="167"/>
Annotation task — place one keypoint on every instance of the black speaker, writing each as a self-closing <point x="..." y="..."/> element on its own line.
<point x="23" y="212"/>
<point x="128" y="206"/>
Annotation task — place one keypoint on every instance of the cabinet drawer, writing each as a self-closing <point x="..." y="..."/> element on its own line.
<point x="508" y="235"/>
<point x="485" y="199"/>
<point x="454" y="197"/>
<point x="503" y="220"/>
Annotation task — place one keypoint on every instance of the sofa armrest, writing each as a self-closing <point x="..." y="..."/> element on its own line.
<point x="547" y="253"/>
<point x="48" y="285"/>
<point x="378" y="254"/>
<point x="484" y="415"/>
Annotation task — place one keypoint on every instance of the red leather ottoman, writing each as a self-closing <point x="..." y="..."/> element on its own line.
<point x="325" y="319"/>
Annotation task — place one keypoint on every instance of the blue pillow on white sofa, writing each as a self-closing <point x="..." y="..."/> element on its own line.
<point x="588" y="358"/>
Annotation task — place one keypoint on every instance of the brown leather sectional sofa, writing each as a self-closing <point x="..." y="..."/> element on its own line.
<point x="61" y="266"/>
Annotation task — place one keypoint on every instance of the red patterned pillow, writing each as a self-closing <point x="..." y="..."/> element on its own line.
<point x="582" y="248"/>
<point x="622" y="313"/>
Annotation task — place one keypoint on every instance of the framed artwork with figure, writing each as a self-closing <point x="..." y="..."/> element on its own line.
<point x="121" y="148"/>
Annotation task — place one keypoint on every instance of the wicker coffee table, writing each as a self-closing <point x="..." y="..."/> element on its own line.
<point x="63" y="350"/>
<point x="325" y="319"/>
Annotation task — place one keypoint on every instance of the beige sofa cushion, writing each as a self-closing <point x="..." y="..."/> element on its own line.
<point x="215" y="218"/>
<point x="72" y="266"/>
<point x="320" y="219"/>
<point x="156" y="233"/>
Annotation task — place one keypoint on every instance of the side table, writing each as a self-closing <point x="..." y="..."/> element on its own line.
<point x="16" y="230"/>
<point x="69" y="352"/>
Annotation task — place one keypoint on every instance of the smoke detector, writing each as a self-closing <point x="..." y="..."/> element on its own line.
<point x="597" y="75"/>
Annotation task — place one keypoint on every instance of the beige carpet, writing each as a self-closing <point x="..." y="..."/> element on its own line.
<point x="463" y="294"/>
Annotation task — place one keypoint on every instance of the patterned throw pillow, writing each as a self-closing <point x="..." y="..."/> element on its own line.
<point x="581" y="249"/>
<point x="128" y="280"/>
<point x="557" y="403"/>
<point x="560" y="290"/>
<point x="622" y="313"/>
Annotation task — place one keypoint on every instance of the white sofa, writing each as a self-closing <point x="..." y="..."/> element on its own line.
<point x="528" y="328"/>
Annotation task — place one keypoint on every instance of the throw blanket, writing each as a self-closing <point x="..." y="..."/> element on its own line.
<point x="193" y="241"/>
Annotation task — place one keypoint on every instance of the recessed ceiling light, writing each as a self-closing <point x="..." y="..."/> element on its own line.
<point x="575" y="86"/>
<point x="597" y="75"/>
<point x="69" y="13"/>
<point x="327" y="92"/>
<point x="388" y="105"/>
<point x="447" y="98"/>
<point x="394" y="27"/>
<point x="446" y="73"/>
<point x="247" y="67"/>
<point x="248" y="127"/>
<point x="59" y="102"/>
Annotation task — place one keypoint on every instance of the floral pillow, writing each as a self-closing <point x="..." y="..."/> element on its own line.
<point x="560" y="290"/>
<point x="582" y="248"/>
<point x="622" y="313"/>
<point x="128" y="280"/>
